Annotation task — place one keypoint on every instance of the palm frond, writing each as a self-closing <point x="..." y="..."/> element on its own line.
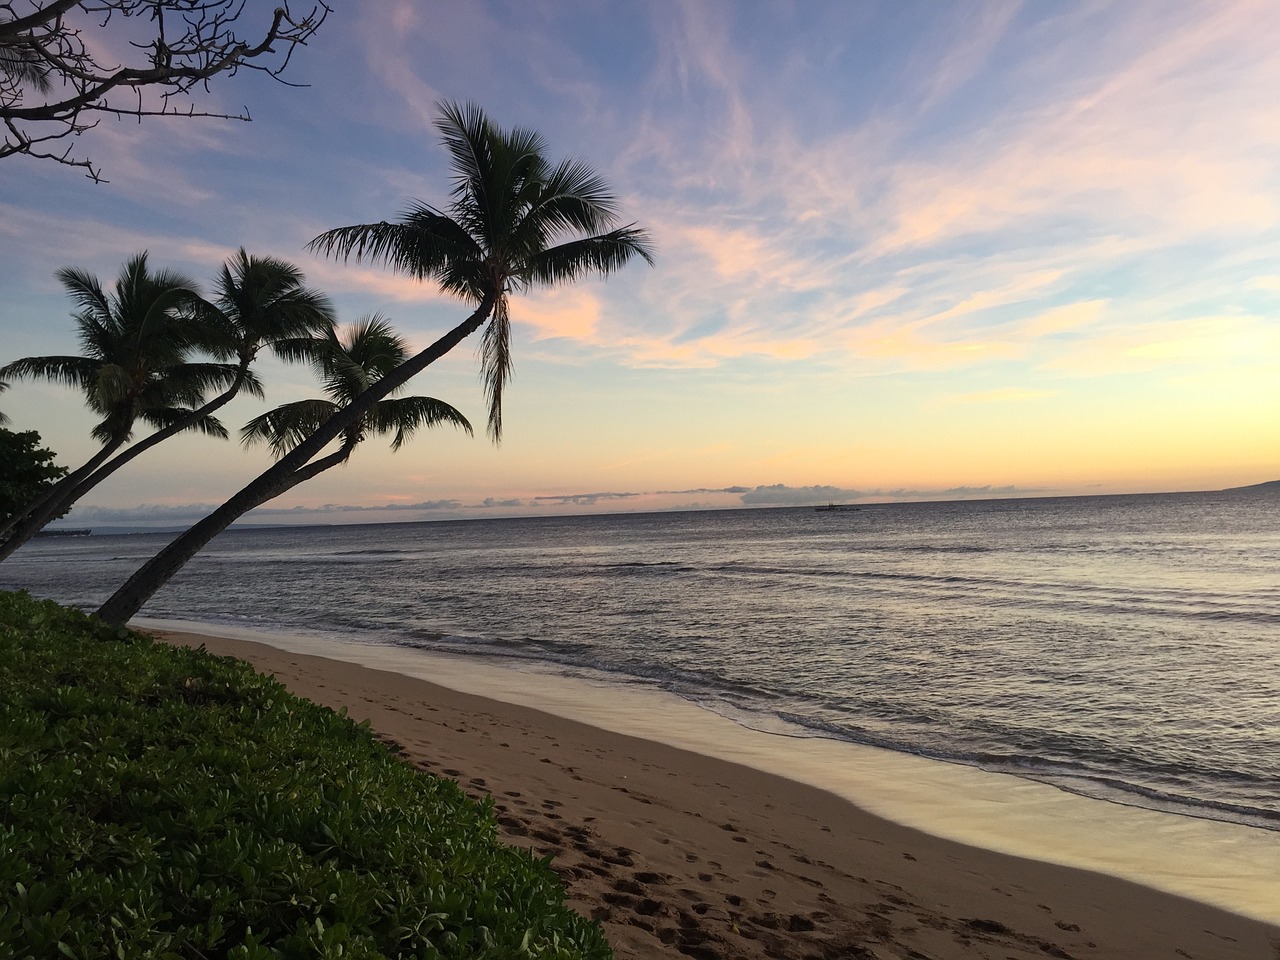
<point x="85" y="290"/>
<point x="69" y="371"/>
<point x="217" y="332"/>
<point x="193" y="381"/>
<point x="601" y="254"/>
<point x="251" y="384"/>
<point x="265" y="299"/>
<point x="163" y="417"/>
<point x="165" y="323"/>
<point x="296" y="349"/>
<point x="359" y="356"/>
<point x="406" y="415"/>
<point x="21" y="64"/>
<point x="422" y="244"/>
<point x="573" y="197"/>
<point x="495" y="364"/>
<point x="111" y="393"/>
<point x="288" y="425"/>
<point x="468" y="136"/>
<point x="115" y="427"/>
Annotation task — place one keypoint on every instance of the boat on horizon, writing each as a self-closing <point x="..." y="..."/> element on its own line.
<point x="836" y="508"/>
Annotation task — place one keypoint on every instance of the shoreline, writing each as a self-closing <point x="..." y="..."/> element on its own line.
<point x="796" y="881"/>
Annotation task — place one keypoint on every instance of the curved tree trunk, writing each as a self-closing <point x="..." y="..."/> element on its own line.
<point x="49" y="504"/>
<point x="287" y="472"/>
<point x="56" y="502"/>
<point x="160" y="569"/>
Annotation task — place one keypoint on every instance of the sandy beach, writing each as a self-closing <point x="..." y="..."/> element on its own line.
<point x="682" y="854"/>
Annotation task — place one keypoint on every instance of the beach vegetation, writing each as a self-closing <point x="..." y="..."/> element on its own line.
<point x="27" y="470"/>
<point x="162" y="802"/>
<point x="138" y="343"/>
<point x="515" y="220"/>
<point x="60" y="73"/>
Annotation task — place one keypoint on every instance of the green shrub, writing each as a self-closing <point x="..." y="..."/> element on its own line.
<point x="158" y="802"/>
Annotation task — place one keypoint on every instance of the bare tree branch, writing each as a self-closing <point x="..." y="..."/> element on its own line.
<point x="55" y="80"/>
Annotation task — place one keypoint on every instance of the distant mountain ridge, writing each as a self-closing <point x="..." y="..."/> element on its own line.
<point x="1270" y="486"/>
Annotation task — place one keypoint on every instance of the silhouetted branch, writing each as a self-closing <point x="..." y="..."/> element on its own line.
<point x="53" y="80"/>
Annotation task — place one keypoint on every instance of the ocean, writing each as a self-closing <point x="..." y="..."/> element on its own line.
<point x="1125" y="647"/>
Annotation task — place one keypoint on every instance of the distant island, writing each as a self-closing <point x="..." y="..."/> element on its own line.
<point x="1270" y="486"/>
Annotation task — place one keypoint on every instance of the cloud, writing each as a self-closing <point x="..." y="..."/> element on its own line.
<point x="833" y="241"/>
<point x="391" y="32"/>
<point x="771" y="495"/>
<point x="573" y="312"/>
<point x="704" y="490"/>
<point x="330" y="508"/>
<point x="983" y="491"/>
<point x="159" y="514"/>
<point x="781" y="495"/>
<point x="580" y="499"/>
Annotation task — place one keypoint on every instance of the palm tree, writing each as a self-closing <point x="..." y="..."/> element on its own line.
<point x="260" y="302"/>
<point x="137" y="342"/>
<point x="4" y="418"/>
<point x="515" y="220"/>
<point x="349" y="363"/>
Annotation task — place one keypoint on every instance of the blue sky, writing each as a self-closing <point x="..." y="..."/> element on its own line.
<point x="904" y="249"/>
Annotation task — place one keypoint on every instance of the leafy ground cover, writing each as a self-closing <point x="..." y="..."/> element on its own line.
<point x="158" y="802"/>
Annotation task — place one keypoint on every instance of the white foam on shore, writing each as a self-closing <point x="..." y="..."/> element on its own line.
<point x="1227" y="865"/>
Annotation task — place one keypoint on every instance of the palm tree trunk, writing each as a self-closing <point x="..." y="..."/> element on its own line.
<point x="160" y="569"/>
<point x="63" y="496"/>
<point x="287" y="472"/>
<point x="28" y="521"/>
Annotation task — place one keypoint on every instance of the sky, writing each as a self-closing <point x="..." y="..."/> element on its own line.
<point x="904" y="250"/>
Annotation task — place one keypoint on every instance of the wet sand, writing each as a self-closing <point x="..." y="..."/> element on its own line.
<point x="681" y="854"/>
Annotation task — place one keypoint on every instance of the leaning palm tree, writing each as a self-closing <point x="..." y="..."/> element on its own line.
<point x="515" y="220"/>
<point x="259" y="303"/>
<point x="348" y="363"/>
<point x="137" y="343"/>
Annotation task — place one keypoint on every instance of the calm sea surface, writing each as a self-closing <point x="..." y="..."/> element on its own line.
<point x="1126" y="648"/>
